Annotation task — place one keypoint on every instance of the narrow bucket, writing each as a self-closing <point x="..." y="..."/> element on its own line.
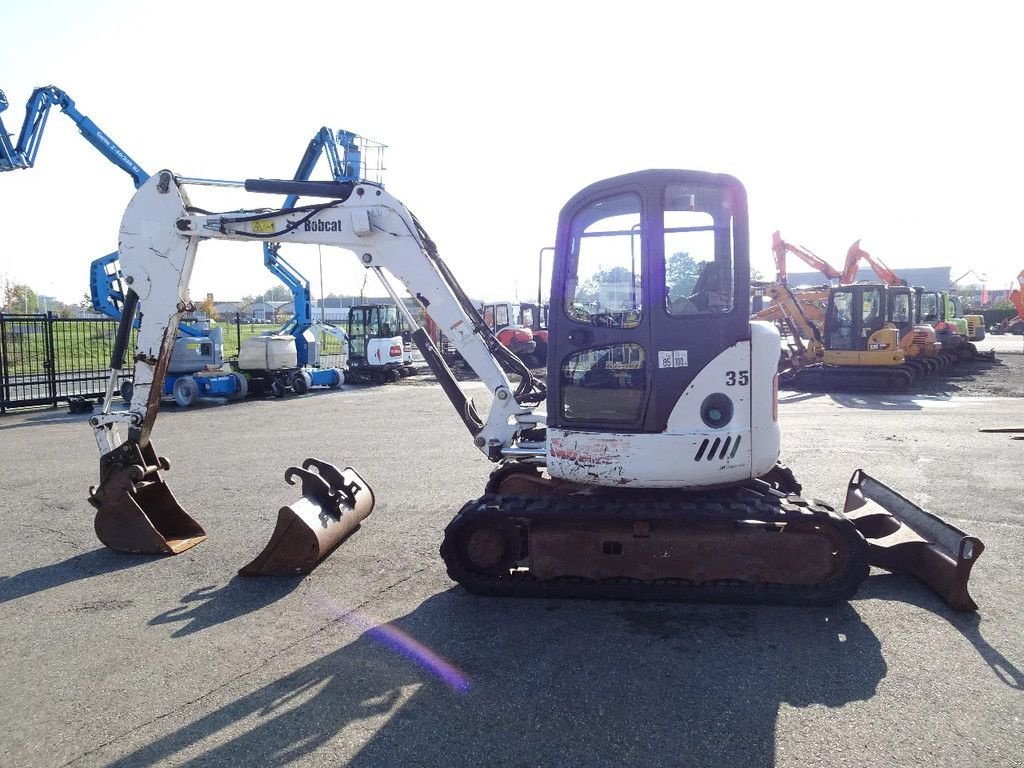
<point x="333" y="505"/>
<point x="904" y="538"/>
<point x="136" y="511"/>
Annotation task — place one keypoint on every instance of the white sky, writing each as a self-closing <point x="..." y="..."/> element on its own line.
<point x="898" y="123"/>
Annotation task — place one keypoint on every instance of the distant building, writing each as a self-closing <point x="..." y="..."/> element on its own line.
<point x="226" y="310"/>
<point x="263" y="311"/>
<point x="931" y="278"/>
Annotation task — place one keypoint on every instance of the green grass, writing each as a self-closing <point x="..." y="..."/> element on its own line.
<point x="87" y="346"/>
<point x="77" y="347"/>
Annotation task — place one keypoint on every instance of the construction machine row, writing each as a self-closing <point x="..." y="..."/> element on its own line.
<point x="874" y="336"/>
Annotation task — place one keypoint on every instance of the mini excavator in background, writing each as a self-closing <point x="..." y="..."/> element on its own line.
<point x="867" y="336"/>
<point x="653" y="472"/>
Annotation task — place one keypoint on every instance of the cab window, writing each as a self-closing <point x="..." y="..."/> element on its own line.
<point x="929" y="307"/>
<point x="841" y="320"/>
<point x="604" y="383"/>
<point x="698" y="252"/>
<point x="871" y="311"/>
<point x="604" y="286"/>
<point x="901" y="308"/>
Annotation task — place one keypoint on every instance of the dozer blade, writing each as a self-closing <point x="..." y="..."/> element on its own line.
<point x="904" y="538"/>
<point x="136" y="511"/>
<point x="333" y="505"/>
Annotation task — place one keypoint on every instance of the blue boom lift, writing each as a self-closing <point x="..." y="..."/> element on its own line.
<point x="344" y="157"/>
<point x="196" y="348"/>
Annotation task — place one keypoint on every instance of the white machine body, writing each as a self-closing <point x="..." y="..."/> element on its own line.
<point x="158" y="242"/>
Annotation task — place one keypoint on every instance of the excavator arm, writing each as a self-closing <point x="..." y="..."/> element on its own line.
<point x="786" y="304"/>
<point x="780" y="248"/>
<point x="158" y="241"/>
<point x="855" y="254"/>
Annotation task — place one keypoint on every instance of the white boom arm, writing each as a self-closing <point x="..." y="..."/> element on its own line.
<point x="157" y="248"/>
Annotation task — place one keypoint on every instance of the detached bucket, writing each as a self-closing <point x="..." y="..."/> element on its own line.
<point x="136" y="511"/>
<point x="333" y="505"/>
<point x="904" y="538"/>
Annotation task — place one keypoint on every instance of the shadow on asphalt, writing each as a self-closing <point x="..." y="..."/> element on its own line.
<point x="798" y="397"/>
<point x="43" y="418"/>
<point x="207" y="606"/>
<point x="906" y="589"/>
<point x="473" y="681"/>
<point x="94" y="563"/>
<point x="48" y="415"/>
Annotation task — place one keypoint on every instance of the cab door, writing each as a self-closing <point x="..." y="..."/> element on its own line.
<point x="600" y="377"/>
<point x="644" y="295"/>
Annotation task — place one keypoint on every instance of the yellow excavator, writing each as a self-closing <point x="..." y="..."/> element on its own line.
<point x="857" y="348"/>
<point x="917" y="339"/>
<point x="865" y="337"/>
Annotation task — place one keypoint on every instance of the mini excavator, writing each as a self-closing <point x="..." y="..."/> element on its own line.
<point x="652" y="473"/>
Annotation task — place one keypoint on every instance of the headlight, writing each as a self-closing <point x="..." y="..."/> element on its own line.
<point x="716" y="410"/>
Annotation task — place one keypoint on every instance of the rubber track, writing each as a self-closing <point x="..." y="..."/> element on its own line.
<point x="730" y="505"/>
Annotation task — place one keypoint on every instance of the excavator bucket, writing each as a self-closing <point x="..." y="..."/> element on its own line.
<point x="904" y="538"/>
<point x="333" y="505"/>
<point x="136" y="511"/>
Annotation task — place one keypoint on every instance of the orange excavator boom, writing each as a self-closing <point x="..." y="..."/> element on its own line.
<point x="780" y="248"/>
<point x="855" y="254"/>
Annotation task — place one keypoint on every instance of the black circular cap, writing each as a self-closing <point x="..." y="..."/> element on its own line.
<point x="716" y="410"/>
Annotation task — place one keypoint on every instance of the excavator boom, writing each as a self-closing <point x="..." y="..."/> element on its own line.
<point x="855" y="254"/>
<point x="780" y="248"/>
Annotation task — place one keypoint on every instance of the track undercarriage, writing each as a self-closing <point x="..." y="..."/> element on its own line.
<point x="534" y="537"/>
<point x="531" y="536"/>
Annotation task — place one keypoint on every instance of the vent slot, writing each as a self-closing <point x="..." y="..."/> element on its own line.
<point x="714" y="449"/>
<point x="725" y="447"/>
<point x="735" y="446"/>
<point x="700" y="452"/>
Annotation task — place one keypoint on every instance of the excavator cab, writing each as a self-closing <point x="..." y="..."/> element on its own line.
<point x="651" y="283"/>
<point x="900" y="308"/>
<point x="916" y="339"/>
<point x="856" y="327"/>
<point x="855" y="314"/>
<point x="376" y="347"/>
<point x="933" y="310"/>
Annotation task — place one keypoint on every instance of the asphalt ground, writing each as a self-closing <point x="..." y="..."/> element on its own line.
<point x="377" y="659"/>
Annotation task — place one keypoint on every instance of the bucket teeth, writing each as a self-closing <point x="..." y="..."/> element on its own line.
<point x="904" y="538"/>
<point x="135" y="510"/>
<point x="333" y="504"/>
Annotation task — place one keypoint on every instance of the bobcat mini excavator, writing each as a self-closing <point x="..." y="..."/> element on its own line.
<point x="653" y="472"/>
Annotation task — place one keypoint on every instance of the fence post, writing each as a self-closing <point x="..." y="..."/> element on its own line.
<point x="238" y="332"/>
<point x="50" y="363"/>
<point x="5" y="393"/>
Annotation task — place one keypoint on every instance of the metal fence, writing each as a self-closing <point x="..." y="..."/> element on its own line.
<point x="45" y="359"/>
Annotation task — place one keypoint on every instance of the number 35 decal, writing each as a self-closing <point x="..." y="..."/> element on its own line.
<point x="732" y="378"/>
